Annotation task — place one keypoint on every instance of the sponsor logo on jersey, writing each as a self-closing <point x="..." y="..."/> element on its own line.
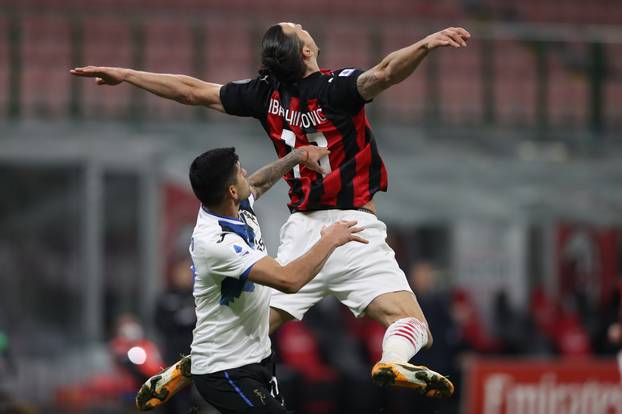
<point x="240" y="251"/>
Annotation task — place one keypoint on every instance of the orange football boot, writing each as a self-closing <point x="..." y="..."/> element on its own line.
<point x="424" y="380"/>
<point x="160" y="388"/>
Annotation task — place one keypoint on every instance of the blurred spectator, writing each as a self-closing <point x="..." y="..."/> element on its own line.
<point x="134" y="359"/>
<point x="614" y="331"/>
<point x="5" y="358"/>
<point x="5" y="371"/>
<point x="175" y="317"/>
<point x="508" y="327"/>
<point x="443" y="355"/>
<point x="515" y="330"/>
<point x="471" y="325"/>
<point x="132" y="352"/>
<point x="346" y="353"/>
<point x="560" y="324"/>
<point x="608" y="337"/>
<point x="436" y="304"/>
<point x="299" y="350"/>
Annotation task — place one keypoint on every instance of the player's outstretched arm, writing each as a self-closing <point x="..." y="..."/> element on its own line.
<point x="180" y="88"/>
<point x="398" y="65"/>
<point x="265" y="177"/>
<point x="293" y="276"/>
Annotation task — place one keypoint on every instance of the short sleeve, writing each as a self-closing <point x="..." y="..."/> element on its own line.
<point x="230" y="257"/>
<point x="343" y="93"/>
<point x="246" y="97"/>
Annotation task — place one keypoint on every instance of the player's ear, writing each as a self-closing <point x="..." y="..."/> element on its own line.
<point x="232" y="192"/>
<point x="306" y="52"/>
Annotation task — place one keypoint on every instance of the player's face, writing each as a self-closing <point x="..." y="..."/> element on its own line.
<point x="303" y="35"/>
<point x="241" y="183"/>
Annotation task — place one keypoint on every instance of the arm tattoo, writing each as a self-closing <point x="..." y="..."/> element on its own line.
<point x="369" y="85"/>
<point x="393" y="69"/>
<point x="265" y="177"/>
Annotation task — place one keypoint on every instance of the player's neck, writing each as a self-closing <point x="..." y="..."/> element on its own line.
<point x="312" y="67"/>
<point x="228" y="208"/>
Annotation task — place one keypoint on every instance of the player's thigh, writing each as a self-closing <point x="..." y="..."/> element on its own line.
<point x="231" y="393"/>
<point x="298" y="235"/>
<point x="366" y="271"/>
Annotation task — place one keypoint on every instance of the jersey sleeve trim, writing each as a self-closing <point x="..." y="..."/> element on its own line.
<point x="246" y="273"/>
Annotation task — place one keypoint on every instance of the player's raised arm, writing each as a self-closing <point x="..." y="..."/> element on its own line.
<point x="398" y="65"/>
<point x="293" y="276"/>
<point x="180" y="88"/>
<point x="265" y="177"/>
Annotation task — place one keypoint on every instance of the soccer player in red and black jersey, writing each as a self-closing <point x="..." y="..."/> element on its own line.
<point x="299" y="104"/>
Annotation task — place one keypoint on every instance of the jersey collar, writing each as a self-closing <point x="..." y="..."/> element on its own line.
<point x="232" y="220"/>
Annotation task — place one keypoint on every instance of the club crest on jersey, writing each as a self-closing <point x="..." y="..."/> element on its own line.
<point x="346" y="72"/>
<point x="296" y="118"/>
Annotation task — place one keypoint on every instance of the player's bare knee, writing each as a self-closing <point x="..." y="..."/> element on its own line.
<point x="394" y="306"/>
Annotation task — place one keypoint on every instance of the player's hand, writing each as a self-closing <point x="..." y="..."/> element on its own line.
<point x="310" y="157"/>
<point x="103" y="75"/>
<point x="343" y="232"/>
<point x="452" y="36"/>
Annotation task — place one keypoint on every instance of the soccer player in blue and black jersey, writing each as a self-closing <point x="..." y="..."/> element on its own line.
<point x="300" y="104"/>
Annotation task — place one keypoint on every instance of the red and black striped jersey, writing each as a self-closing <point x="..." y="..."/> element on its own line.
<point x="324" y="109"/>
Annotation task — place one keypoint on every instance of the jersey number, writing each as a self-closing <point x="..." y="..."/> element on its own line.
<point x="318" y="139"/>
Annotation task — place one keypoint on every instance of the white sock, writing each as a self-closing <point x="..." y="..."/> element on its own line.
<point x="403" y="339"/>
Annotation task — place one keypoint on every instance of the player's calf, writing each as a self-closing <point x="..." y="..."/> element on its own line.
<point x="402" y="340"/>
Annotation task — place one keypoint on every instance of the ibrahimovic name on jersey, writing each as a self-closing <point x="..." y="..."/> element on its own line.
<point x="232" y="312"/>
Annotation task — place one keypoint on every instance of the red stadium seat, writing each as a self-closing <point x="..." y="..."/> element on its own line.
<point x="168" y="49"/>
<point x="45" y="42"/>
<point x="568" y="86"/>
<point x="515" y="83"/>
<point x="299" y="350"/>
<point x="613" y="87"/>
<point x="107" y="42"/>
<point x="346" y="46"/>
<point x="4" y="69"/>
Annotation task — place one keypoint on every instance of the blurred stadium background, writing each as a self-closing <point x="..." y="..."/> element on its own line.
<point x="504" y="204"/>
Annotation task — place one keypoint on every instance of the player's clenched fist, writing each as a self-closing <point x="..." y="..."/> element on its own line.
<point x="103" y="75"/>
<point x="452" y="36"/>
<point x="342" y="232"/>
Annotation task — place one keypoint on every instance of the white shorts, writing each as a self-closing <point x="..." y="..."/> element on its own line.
<point x="355" y="273"/>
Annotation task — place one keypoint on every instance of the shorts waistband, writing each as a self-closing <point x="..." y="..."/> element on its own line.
<point x="330" y="211"/>
<point x="365" y="210"/>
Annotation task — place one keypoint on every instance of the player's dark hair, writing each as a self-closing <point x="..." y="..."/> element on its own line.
<point x="281" y="55"/>
<point x="211" y="173"/>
